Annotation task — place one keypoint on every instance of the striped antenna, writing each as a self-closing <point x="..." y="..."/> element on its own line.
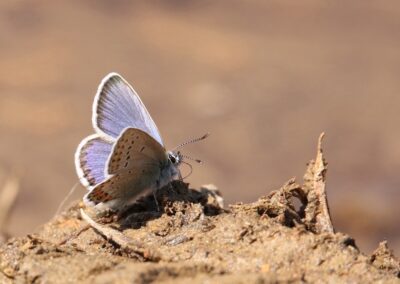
<point x="191" y="141"/>
<point x="192" y="159"/>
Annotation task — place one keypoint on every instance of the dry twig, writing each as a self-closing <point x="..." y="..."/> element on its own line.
<point x="121" y="240"/>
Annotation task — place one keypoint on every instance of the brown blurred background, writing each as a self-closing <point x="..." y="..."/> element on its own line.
<point x="264" y="77"/>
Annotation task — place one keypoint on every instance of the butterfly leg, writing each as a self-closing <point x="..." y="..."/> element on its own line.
<point x="180" y="176"/>
<point x="156" y="201"/>
<point x="155" y="196"/>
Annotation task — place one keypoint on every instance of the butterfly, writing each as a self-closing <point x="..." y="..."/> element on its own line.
<point x="125" y="158"/>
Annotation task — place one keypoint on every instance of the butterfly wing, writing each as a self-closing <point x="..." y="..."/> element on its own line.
<point x="124" y="158"/>
<point x="134" y="148"/>
<point x="124" y="187"/>
<point x="90" y="160"/>
<point x="117" y="106"/>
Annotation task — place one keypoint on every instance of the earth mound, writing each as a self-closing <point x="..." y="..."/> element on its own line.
<point x="286" y="236"/>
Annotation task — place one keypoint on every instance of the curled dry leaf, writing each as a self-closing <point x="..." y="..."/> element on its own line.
<point x="317" y="215"/>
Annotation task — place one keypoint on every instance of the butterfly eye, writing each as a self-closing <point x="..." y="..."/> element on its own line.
<point x="172" y="158"/>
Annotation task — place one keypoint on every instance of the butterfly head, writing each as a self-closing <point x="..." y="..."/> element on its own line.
<point x="175" y="157"/>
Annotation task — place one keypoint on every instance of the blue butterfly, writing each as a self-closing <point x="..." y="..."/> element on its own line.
<point x="126" y="157"/>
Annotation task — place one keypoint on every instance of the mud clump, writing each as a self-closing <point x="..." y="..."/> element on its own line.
<point x="193" y="238"/>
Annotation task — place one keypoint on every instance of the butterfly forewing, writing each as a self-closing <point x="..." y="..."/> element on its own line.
<point x="117" y="106"/>
<point x="90" y="160"/>
<point x="135" y="148"/>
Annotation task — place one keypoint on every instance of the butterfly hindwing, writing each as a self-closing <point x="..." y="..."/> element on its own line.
<point x="90" y="160"/>
<point x="117" y="106"/>
<point x="135" y="148"/>
<point x="124" y="186"/>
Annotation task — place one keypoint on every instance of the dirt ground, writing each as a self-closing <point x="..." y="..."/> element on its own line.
<point x="284" y="237"/>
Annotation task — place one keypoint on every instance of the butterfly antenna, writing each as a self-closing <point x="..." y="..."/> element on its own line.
<point x="191" y="170"/>
<point x="191" y="141"/>
<point x="192" y="159"/>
